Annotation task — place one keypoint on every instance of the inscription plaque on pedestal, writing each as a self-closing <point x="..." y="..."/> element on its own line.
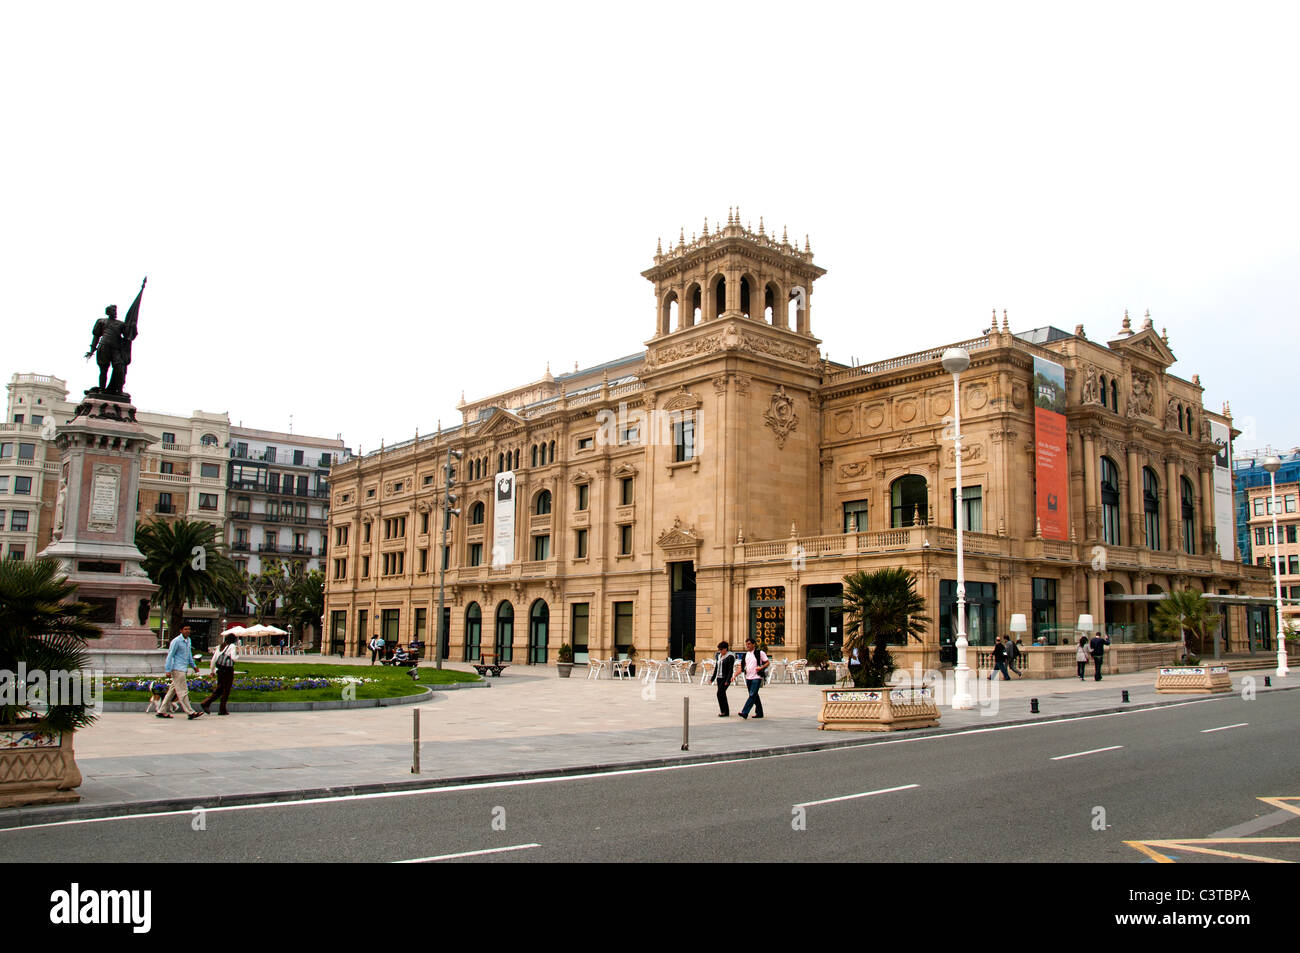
<point x="103" y="498"/>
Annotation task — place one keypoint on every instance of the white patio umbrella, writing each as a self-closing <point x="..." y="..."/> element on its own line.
<point x="235" y="630"/>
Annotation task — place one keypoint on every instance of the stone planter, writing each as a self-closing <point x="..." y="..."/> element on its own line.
<point x="37" y="767"/>
<point x="877" y="709"/>
<point x="564" y="668"/>
<point x="817" y="676"/>
<point x="1194" y="680"/>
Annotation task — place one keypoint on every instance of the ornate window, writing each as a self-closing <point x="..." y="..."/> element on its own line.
<point x="1188" y="515"/>
<point x="1151" y="507"/>
<point x="1110" y="524"/>
<point x="908" y="501"/>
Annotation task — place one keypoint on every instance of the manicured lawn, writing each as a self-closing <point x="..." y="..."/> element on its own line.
<point x="379" y="682"/>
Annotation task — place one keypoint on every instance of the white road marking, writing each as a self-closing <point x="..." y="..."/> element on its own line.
<point x="608" y="774"/>
<point x="1241" y="724"/>
<point x="850" y="797"/>
<point x="1080" y="754"/>
<point x="468" y="853"/>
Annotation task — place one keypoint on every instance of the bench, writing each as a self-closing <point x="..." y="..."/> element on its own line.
<point x="489" y="663"/>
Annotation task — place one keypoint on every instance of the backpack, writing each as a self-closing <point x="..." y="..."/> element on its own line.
<point x="224" y="660"/>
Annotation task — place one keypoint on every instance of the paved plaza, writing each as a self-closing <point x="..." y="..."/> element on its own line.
<point x="527" y="721"/>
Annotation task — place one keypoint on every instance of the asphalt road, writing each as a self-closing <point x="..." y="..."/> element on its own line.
<point x="1029" y="793"/>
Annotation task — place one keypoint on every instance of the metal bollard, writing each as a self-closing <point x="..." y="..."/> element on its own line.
<point x="415" y="741"/>
<point x="686" y="724"/>
<point x="1124" y="693"/>
<point x="1267" y="681"/>
<point x="1033" y="706"/>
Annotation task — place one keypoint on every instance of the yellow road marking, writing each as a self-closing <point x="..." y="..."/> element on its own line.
<point x="1193" y="844"/>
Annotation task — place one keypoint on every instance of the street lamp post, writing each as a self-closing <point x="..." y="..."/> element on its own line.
<point x="955" y="360"/>
<point x="448" y="509"/>
<point x="1272" y="464"/>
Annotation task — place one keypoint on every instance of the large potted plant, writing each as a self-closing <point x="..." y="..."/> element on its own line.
<point x="43" y="699"/>
<point x="878" y="607"/>
<point x="1185" y="614"/>
<point x="564" y="660"/>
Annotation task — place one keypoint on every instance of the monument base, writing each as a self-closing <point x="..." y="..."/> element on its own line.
<point x="128" y="661"/>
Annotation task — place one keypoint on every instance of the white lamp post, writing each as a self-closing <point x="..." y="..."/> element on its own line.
<point x="955" y="360"/>
<point x="1272" y="464"/>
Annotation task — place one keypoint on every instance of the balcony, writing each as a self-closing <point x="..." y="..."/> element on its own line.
<point x="242" y="515"/>
<point x="271" y="548"/>
<point x="241" y="546"/>
<point x="165" y="508"/>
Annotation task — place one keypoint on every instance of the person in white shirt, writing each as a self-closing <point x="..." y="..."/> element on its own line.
<point x="756" y="663"/>
<point x="223" y="667"/>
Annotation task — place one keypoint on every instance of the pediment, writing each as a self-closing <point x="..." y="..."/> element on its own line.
<point x="582" y="476"/>
<point x="501" y="420"/>
<point x="1147" y="345"/>
<point x="678" y="537"/>
<point x="682" y="399"/>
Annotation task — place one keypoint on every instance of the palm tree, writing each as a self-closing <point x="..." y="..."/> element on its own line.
<point x="1186" y="614"/>
<point x="878" y="607"/>
<point x="42" y="628"/>
<point x="186" y="560"/>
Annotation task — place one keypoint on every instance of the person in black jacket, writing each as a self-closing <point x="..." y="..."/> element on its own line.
<point x="1098" y="646"/>
<point x="999" y="661"/>
<point x="723" y="673"/>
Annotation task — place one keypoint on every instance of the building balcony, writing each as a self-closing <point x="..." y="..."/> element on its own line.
<point x="241" y="546"/>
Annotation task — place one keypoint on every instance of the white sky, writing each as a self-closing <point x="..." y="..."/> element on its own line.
<point x="351" y="212"/>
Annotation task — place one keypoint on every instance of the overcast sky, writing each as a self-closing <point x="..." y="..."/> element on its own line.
<point x="351" y="212"/>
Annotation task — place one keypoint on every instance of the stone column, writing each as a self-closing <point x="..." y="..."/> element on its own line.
<point x="1136" y="536"/>
<point x="1090" y="487"/>
<point x="1172" y="494"/>
<point x="1206" y="475"/>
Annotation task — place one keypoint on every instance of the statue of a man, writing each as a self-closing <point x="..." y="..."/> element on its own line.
<point x="111" y="344"/>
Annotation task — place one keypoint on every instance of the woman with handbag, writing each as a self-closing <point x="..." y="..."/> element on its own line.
<point x="223" y="666"/>
<point x="1081" y="656"/>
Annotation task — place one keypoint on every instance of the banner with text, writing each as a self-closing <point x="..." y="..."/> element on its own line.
<point x="1051" y="471"/>
<point x="1224" y="521"/>
<point x="503" y="522"/>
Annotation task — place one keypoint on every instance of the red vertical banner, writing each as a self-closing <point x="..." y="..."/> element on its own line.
<point x="1051" y="469"/>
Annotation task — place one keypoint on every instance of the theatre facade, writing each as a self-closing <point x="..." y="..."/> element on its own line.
<point x="722" y="481"/>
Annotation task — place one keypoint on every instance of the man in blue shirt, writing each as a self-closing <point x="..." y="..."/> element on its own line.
<point x="179" y="661"/>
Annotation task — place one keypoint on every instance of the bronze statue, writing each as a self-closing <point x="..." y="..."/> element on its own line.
<point x="111" y="344"/>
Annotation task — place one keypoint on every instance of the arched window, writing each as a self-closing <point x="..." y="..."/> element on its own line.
<point x="771" y="306"/>
<point x="908" y="497"/>
<point x="671" y="320"/>
<point x="505" y="633"/>
<point x="534" y="456"/>
<point x="1103" y="390"/>
<point x="746" y="293"/>
<point x="208" y="440"/>
<point x="1114" y="395"/>
<point x="1110" y="502"/>
<point x="719" y="295"/>
<point x="1189" y="515"/>
<point x="550" y="457"/>
<point x="516" y="466"/>
<point x="695" y="306"/>
<point x="1180" y="418"/>
<point x="543" y="504"/>
<point x="473" y="632"/>
<point x="539" y="625"/>
<point x="501" y="462"/>
<point x="476" y="514"/>
<point x="1151" y="507"/>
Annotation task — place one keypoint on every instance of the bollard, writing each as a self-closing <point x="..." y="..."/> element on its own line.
<point x="1267" y="681"/>
<point x="1033" y="706"/>
<point x="415" y="741"/>
<point x="686" y="724"/>
<point x="1125" y="694"/>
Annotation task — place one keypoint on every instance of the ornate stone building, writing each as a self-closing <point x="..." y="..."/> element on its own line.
<point x="722" y="482"/>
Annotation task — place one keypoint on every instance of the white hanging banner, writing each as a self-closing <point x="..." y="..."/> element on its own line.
<point x="1224" y="522"/>
<point x="503" y="520"/>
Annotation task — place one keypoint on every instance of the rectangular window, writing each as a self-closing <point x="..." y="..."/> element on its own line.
<point x="629" y="435"/>
<point x="302" y="485"/>
<point x="19" y="418"/>
<point x="541" y="547"/>
<point x="269" y="456"/>
<point x="1293" y="565"/>
<point x="18" y="521"/>
<point x="23" y="485"/>
<point x="27" y="451"/>
<point x="338" y="630"/>
<point x="1044" y="624"/>
<point x="365" y="567"/>
<point x="622" y="628"/>
<point x="579" y="629"/>
<point x="580" y="544"/>
<point x="165" y="503"/>
<point x="340" y="535"/>
<point x="340" y="568"/>
<point x="207" y="501"/>
<point x="166" y="467"/>
<point x="363" y="631"/>
<point x="1259" y="536"/>
<point x="625" y="491"/>
<point x="1290" y="502"/>
<point x="421" y="624"/>
<point x="684" y="438"/>
<point x="428" y="480"/>
<point x="1290" y="530"/>
<point x="446" y="558"/>
<point x="389" y="630"/>
<point x="972" y="508"/>
<point x="365" y="532"/>
<point x="476" y="554"/>
<point x="38" y="419"/>
<point x="6" y="451"/>
<point x="297" y="458"/>
<point x="855" y="516"/>
<point x="1261" y="561"/>
<point x="767" y="615"/>
<point x="981" y="613"/>
<point x="584" y="495"/>
<point x="424" y="522"/>
<point x="586" y="443"/>
<point x="424" y="560"/>
<point x="1259" y="506"/>
<point x="17" y="551"/>
<point x="168" y="437"/>
<point x="625" y="540"/>
<point x="4" y="484"/>
<point x="210" y="471"/>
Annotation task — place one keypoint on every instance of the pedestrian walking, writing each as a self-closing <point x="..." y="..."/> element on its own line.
<point x="756" y="663"/>
<point x="223" y="667"/>
<point x="1098" y="646"/>
<point x="180" y="659"/>
<point x="1081" y="656"/>
<point x="723" y="674"/>
<point x="1013" y="654"/>
<point x="999" y="660"/>
<point x="374" y="648"/>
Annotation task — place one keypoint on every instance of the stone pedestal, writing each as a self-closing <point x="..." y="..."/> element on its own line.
<point x="94" y="521"/>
